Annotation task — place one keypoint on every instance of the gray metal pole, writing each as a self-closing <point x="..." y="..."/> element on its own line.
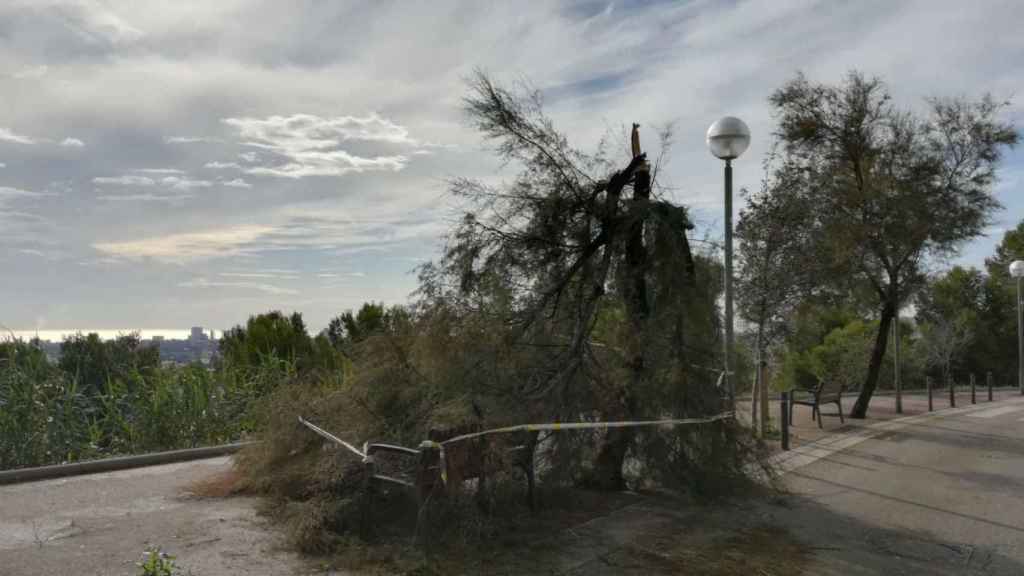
<point x="952" y="390"/>
<point x="896" y="362"/>
<point x="988" y="380"/>
<point x="1020" y="334"/>
<point x="729" y="348"/>
<point x="784" y="419"/>
<point x="974" y="399"/>
<point x="928" y="386"/>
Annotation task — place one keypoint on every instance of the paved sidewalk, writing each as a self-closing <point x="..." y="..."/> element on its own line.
<point x="883" y="408"/>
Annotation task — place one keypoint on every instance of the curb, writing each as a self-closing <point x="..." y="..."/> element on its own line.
<point x="20" y="475"/>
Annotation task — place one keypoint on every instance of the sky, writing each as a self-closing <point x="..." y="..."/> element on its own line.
<point x="170" y="164"/>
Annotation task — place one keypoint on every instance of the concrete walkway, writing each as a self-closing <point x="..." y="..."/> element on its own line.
<point x="100" y="525"/>
<point x="928" y="493"/>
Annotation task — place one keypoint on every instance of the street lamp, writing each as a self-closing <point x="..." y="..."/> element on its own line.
<point x="1017" y="271"/>
<point x="727" y="139"/>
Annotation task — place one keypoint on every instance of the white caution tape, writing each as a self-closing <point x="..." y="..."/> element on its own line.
<point x="591" y="426"/>
<point x="331" y="437"/>
<point x="555" y="426"/>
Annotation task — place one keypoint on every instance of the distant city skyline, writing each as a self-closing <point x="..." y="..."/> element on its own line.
<point x="107" y="334"/>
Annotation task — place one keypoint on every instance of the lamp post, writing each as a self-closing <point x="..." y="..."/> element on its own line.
<point x="1017" y="271"/>
<point x="727" y="139"/>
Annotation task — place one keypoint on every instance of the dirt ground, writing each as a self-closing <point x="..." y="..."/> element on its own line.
<point x="101" y="524"/>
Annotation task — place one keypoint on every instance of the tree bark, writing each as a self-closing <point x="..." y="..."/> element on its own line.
<point x="860" y="408"/>
<point x="607" y="473"/>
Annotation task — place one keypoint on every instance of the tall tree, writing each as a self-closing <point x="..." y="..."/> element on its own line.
<point x="273" y="335"/>
<point x="890" y="188"/>
<point x="348" y="328"/>
<point x="551" y="247"/>
<point x="93" y="362"/>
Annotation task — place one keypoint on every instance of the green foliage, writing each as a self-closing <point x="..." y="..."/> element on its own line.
<point x="157" y="563"/>
<point x="569" y="294"/>
<point x="92" y="362"/>
<point x="348" y="329"/>
<point x="272" y="336"/>
<point x="889" y="189"/>
<point x="47" y="418"/>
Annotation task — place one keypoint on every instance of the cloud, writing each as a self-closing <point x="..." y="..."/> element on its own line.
<point x="72" y="143"/>
<point x="125" y="180"/>
<point x="8" y="192"/>
<point x="159" y="170"/>
<point x="263" y="274"/>
<point x="179" y="183"/>
<point x="185" y="247"/>
<point x="237" y="183"/>
<point x="187" y="139"/>
<point x="2" y="165"/>
<point x="248" y="156"/>
<point x="143" y="197"/>
<point x="311" y="145"/>
<point x="8" y="135"/>
<point x="260" y="287"/>
<point x="222" y="165"/>
<point x="31" y="72"/>
<point x="175" y="182"/>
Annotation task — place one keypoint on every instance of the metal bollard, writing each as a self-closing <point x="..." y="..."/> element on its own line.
<point x="988" y="379"/>
<point x="784" y="420"/>
<point x="928" y="386"/>
<point x="973" y="399"/>
<point x="366" y="520"/>
<point x="952" y="393"/>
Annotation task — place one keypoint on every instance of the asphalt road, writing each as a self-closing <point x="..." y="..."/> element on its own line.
<point x="934" y="495"/>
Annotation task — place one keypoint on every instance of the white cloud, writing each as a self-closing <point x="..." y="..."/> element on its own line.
<point x="72" y="143"/>
<point x="2" y="165"/>
<point x="248" y="156"/>
<point x="222" y="165"/>
<point x="237" y="183"/>
<point x="187" y="139"/>
<point x="8" y="135"/>
<point x="159" y="170"/>
<point x="185" y="247"/>
<point x="147" y="197"/>
<point x="179" y="183"/>
<point x="264" y="274"/>
<point x="31" y="72"/>
<point x="125" y="180"/>
<point x="260" y="287"/>
<point x="312" y="144"/>
<point x="8" y="192"/>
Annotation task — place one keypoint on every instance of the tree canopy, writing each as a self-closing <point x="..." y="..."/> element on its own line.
<point x="890" y="189"/>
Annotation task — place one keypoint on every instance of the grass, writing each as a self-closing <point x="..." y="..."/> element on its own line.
<point x="48" y="417"/>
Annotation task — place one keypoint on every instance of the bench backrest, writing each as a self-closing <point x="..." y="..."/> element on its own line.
<point x="829" y="390"/>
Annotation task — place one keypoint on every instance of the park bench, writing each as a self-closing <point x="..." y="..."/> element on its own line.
<point x="827" y="392"/>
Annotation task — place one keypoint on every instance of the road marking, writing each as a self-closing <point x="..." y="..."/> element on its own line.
<point x="993" y="412"/>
